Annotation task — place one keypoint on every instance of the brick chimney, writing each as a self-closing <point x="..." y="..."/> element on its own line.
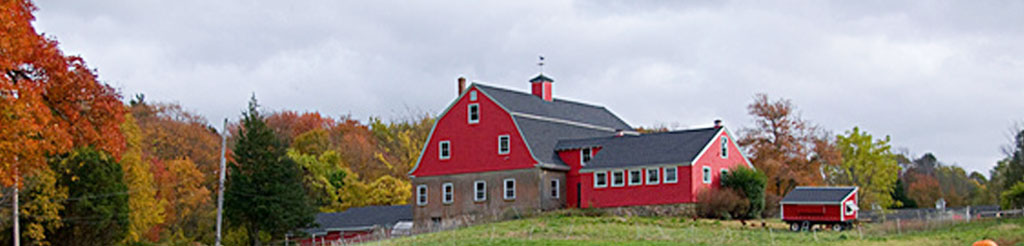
<point x="541" y="86"/>
<point x="462" y="85"/>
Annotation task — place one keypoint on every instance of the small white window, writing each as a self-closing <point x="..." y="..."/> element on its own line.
<point x="474" y="113"/>
<point x="725" y="147"/>
<point x="472" y="95"/>
<point x="479" y="190"/>
<point x="671" y="175"/>
<point x="851" y="207"/>
<point x="554" y="188"/>
<point x="585" y="155"/>
<point x="636" y="177"/>
<point x="445" y="150"/>
<point x="510" y="189"/>
<point x="618" y="178"/>
<point x="503" y="147"/>
<point x="449" y="193"/>
<point x="600" y="180"/>
<point x="653" y="176"/>
<point x="707" y="175"/>
<point x="421" y="195"/>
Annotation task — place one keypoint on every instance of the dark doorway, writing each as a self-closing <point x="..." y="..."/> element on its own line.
<point x="578" y="205"/>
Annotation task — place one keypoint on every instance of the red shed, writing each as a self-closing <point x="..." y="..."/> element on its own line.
<point x="805" y="207"/>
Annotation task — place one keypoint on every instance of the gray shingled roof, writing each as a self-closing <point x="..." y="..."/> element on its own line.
<point x="360" y="217"/>
<point x="806" y="194"/>
<point x="521" y="102"/>
<point x="543" y="135"/>
<point x="677" y="147"/>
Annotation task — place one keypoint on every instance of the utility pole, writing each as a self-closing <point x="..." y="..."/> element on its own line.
<point x="17" y="232"/>
<point x="220" y="191"/>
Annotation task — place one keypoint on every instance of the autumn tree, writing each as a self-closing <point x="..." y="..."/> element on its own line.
<point x="388" y="190"/>
<point x="146" y="210"/>
<point x="180" y="188"/>
<point x="97" y="211"/>
<point x="264" y="192"/>
<point x="399" y="142"/>
<point x="869" y="164"/>
<point x="789" y="150"/>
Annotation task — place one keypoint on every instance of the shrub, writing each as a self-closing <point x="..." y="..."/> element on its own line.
<point x="724" y="203"/>
<point x="750" y="184"/>
<point x="1014" y="197"/>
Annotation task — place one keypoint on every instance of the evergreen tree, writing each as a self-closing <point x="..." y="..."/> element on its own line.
<point x="97" y="211"/>
<point x="264" y="190"/>
<point x="899" y="194"/>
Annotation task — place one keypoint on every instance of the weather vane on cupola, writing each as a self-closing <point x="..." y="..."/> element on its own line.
<point x="541" y="64"/>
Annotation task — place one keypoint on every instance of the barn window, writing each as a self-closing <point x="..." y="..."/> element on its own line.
<point x="503" y="144"/>
<point x="449" y="192"/>
<point x="653" y="176"/>
<point x="585" y="155"/>
<point x="479" y="190"/>
<point x="725" y="147"/>
<point x="600" y="180"/>
<point x="707" y="174"/>
<point x="472" y="95"/>
<point x="510" y="189"/>
<point x="421" y="195"/>
<point x="445" y="150"/>
<point x="722" y="172"/>
<point x="474" y="113"/>
<point x="851" y="207"/>
<point x="671" y="175"/>
<point x="635" y="177"/>
<point x="618" y="178"/>
<point x="554" y="188"/>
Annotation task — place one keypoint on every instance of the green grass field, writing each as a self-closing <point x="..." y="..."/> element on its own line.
<point x="564" y="229"/>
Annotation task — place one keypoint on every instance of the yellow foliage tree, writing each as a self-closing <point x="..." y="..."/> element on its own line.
<point x="388" y="190"/>
<point x="146" y="210"/>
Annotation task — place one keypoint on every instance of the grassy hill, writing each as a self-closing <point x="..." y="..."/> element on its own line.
<point x="570" y="229"/>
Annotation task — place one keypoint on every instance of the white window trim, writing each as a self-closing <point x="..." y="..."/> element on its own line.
<point x="508" y="142"/>
<point x="445" y="193"/>
<point x="557" y="188"/>
<point x="630" y="178"/>
<point x="846" y="207"/>
<point x="469" y="113"/>
<point x="596" y="185"/>
<point x="705" y="173"/>
<point x="477" y="191"/>
<point x="675" y="171"/>
<point x="724" y="147"/>
<point x="647" y="177"/>
<point x="591" y="153"/>
<point x="421" y="191"/>
<point x="440" y="149"/>
<point x="504" y="186"/>
<point x="612" y="177"/>
<point x="472" y="95"/>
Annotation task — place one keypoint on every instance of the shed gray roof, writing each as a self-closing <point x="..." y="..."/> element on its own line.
<point x="520" y="102"/>
<point x="676" y="147"/>
<point x="361" y="217"/>
<point x="807" y="194"/>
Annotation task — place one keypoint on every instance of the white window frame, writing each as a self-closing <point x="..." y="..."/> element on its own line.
<point x="508" y="144"/>
<point x="598" y="176"/>
<point x="472" y="96"/>
<point x="588" y="155"/>
<point x="846" y="206"/>
<point x="640" y="174"/>
<point x="505" y="189"/>
<point x="469" y="113"/>
<point x="441" y="146"/>
<point x="479" y="193"/>
<point x="421" y="195"/>
<point x="447" y="196"/>
<point x="555" y="188"/>
<point x="706" y="174"/>
<point x="622" y="174"/>
<point x="725" y="147"/>
<point x="675" y="175"/>
<point x="657" y="176"/>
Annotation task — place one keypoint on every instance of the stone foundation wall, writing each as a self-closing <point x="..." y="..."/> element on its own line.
<point x="669" y="210"/>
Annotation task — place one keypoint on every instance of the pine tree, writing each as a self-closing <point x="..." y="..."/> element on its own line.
<point x="264" y="190"/>
<point x="97" y="212"/>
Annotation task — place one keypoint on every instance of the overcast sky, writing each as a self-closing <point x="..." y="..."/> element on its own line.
<point x="937" y="76"/>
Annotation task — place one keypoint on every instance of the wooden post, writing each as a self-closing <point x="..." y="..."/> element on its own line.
<point x="17" y="234"/>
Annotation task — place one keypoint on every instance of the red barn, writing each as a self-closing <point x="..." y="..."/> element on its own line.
<point x="805" y="207"/>
<point x="495" y="152"/>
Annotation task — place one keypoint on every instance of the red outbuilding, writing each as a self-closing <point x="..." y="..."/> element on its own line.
<point x="835" y="207"/>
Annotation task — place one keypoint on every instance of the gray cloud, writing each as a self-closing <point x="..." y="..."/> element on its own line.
<point x="937" y="76"/>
